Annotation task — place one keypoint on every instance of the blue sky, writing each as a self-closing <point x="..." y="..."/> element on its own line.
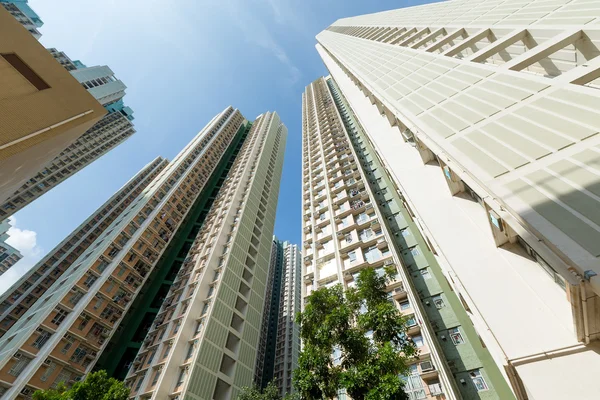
<point x="183" y="62"/>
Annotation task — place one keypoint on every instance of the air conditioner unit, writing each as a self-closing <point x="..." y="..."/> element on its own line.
<point x="426" y="366"/>
<point x="18" y="355"/>
<point x="47" y="361"/>
<point x="26" y="391"/>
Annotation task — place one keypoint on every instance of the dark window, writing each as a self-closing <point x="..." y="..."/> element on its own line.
<point x="24" y="70"/>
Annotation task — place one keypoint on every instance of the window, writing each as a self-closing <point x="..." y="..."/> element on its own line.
<point x="352" y="256"/>
<point x="19" y="366"/>
<point x="49" y="371"/>
<point x="414" y="386"/>
<point x="438" y="301"/>
<point x="404" y="305"/>
<point x="139" y="383"/>
<point x="99" y="302"/>
<point x="83" y="323"/>
<point x="89" y="281"/>
<point x="59" y="317"/>
<point x="425" y="273"/>
<point x="76" y="297"/>
<point x="205" y="309"/>
<point x="418" y="341"/>
<point x="29" y="74"/>
<point x="190" y="351"/>
<point x="63" y="377"/>
<point x="456" y="336"/>
<point x="156" y="376"/>
<point x="69" y="340"/>
<point x="198" y="326"/>
<point x="181" y="378"/>
<point x="41" y="339"/>
<point x="78" y="354"/>
<point x="166" y="351"/>
<point x="478" y="380"/>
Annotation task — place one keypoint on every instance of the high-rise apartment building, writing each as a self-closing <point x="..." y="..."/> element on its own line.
<point x="204" y="341"/>
<point x="107" y="133"/>
<point x="65" y="60"/>
<point x="265" y="357"/>
<point x="8" y="254"/>
<point x="90" y="313"/>
<point x="32" y="286"/>
<point x="32" y="80"/>
<point x="482" y="113"/>
<point x="354" y="218"/>
<point x="287" y="348"/>
<point x="280" y="335"/>
<point x="25" y="15"/>
<point x="112" y="130"/>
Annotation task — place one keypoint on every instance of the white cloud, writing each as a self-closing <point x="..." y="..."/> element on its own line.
<point x="25" y="241"/>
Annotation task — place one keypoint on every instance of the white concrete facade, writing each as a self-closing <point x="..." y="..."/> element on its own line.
<point x="501" y="96"/>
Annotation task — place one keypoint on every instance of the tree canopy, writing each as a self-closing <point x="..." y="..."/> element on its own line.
<point x="96" y="386"/>
<point x="268" y="393"/>
<point x="353" y="340"/>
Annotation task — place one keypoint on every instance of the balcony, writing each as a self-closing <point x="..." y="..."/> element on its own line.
<point x="428" y="374"/>
<point x="413" y="328"/>
<point x="382" y="243"/>
<point x="309" y="276"/>
<point x="375" y="224"/>
<point x="357" y="206"/>
<point x="354" y="266"/>
<point x="399" y="293"/>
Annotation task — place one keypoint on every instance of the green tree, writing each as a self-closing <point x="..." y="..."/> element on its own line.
<point x="96" y="386"/>
<point x="254" y="393"/>
<point x="268" y="393"/>
<point x="353" y="339"/>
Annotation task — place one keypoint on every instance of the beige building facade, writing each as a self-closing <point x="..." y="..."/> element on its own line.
<point x="32" y="80"/>
<point x="34" y="284"/>
<point x="484" y="113"/>
<point x="204" y="341"/>
<point x="60" y="337"/>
